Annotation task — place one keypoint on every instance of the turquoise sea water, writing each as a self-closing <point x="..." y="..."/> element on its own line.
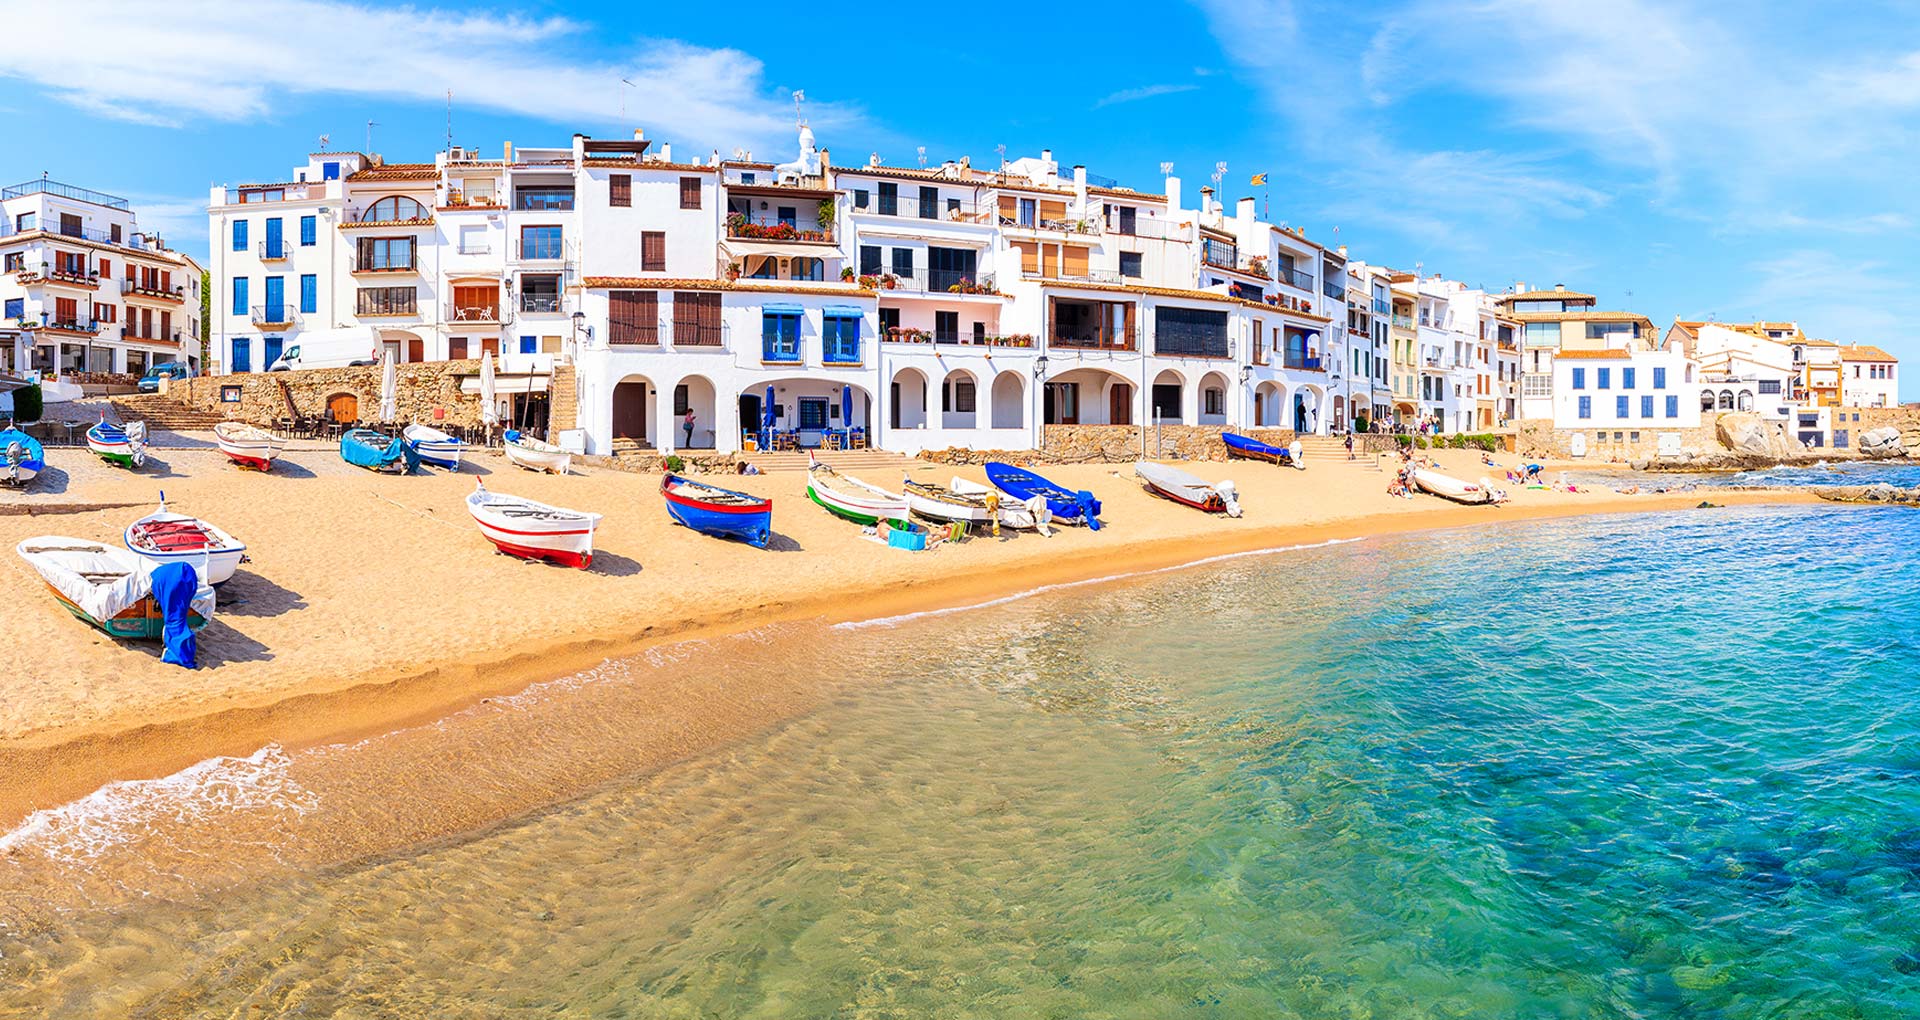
<point x="1904" y="475"/>
<point x="1639" y="766"/>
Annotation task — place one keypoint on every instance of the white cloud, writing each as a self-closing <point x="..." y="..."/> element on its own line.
<point x="1144" y="92"/>
<point x="174" y="63"/>
<point x="1851" y="300"/>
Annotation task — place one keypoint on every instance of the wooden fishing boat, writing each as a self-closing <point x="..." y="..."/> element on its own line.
<point x="961" y="500"/>
<point x="1181" y="487"/>
<point x="21" y="457"/>
<point x="377" y="451"/>
<point x="712" y="510"/>
<point x="1067" y="505"/>
<point x="1254" y="449"/>
<point x="434" y="446"/>
<point x="1434" y="483"/>
<point x="534" y="455"/>
<point x="167" y="537"/>
<point x="248" y="445"/>
<point x="532" y="530"/>
<point x="110" y="588"/>
<point x="853" y="499"/>
<point x="125" y="445"/>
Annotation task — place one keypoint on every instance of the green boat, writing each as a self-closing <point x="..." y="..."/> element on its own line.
<point x="854" y="499"/>
<point x="125" y="445"/>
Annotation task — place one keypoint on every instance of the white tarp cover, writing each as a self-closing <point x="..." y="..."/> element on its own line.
<point x="63" y="562"/>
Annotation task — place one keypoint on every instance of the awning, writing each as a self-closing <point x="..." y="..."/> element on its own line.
<point x="844" y="311"/>
<point x="507" y="384"/>
<point x="782" y="309"/>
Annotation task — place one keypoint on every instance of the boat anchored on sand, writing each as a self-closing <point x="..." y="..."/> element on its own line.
<point x="532" y="530"/>
<point x="722" y="513"/>
<point x="377" y="451"/>
<point x="433" y="446"/>
<point x="853" y="499"/>
<point x="973" y="503"/>
<point x="166" y="537"/>
<point x="1186" y="489"/>
<point x="249" y="446"/>
<point x="1254" y="449"/>
<point x="21" y="457"/>
<point x="1434" y="483"/>
<point x="1068" y="506"/>
<point x="125" y="445"/>
<point x="534" y="455"/>
<point x="116" y="591"/>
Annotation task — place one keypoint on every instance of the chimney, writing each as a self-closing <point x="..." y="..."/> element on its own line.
<point x="507" y="156"/>
<point x="826" y="163"/>
<point x="1206" y="201"/>
<point x="1173" y="196"/>
<point x="1080" y="188"/>
<point x="666" y="150"/>
<point x="639" y="135"/>
<point x="966" y="162"/>
<point x="873" y="159"/>
<point x="1559" y="287"/>
<point x="1046" y="155"/>
<point x="1244" y="210"/>
<point x="1343" y="251"/>
<point x="1519" y="286"/>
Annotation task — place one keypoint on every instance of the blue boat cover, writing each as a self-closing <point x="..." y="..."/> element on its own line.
<point x="174" y="585"/>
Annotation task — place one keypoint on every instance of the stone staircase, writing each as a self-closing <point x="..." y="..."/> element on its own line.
<point x="885" y="468"/>
<point x="164" y="413"/>
<point x="1318" y="451"/>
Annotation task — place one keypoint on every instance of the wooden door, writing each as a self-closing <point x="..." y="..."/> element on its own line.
<point x="416" y="350"/>
<point x="344" y="407"/>
<point x="1120" y="404"/>
<point x="630" y="411"/>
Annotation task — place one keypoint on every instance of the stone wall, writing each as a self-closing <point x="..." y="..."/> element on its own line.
<point x="429" y="392"/>
<point x="1536" y="437"/>
<point x="1116" y="444"/>
<point x="1905" y="418"/>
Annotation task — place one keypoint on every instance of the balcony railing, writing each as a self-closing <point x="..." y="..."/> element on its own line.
<point x="1333" y="289"/>
<point x="1298" y="278"/>
<point x="86" y="327"/>
<point x="476" y="313"/>
<point x="682" y="334"/>
<point x="540" y="304"/>
<point x="1307" y="363"/>
<point x="476" y="249"/>
<point x="1091" y="342"/>
<point x="540" y="249"/>
<point x="47" y="187"/>
<point x="1090" y="276"/>
<point x="781" y="351"/>
<point x="275" y="252"/>
<point x="909" y="206"/>
<point x="383" y="266"/>
<point x="1403" y="321"/>
<point x="1058" y="226"/>
<point x="840" y="352"/>
<point x="748" y="228"/>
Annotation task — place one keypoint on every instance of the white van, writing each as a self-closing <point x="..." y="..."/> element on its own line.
<point x="330" y="348"/>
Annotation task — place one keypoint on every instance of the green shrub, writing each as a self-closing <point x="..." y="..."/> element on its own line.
<point x="28" y="403"/>
<point x="674" y="464"/>
<point x="1404" y="441"/>
<point x="1362" y="424"/>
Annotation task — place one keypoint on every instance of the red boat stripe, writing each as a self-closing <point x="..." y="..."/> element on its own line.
<point x="537" y="534"/>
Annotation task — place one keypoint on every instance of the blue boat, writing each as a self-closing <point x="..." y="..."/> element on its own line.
<point x="21" y="457"/>
<point x="712" y="510"/>
<point x="377" y="451"/>
<point x="1068" y="506"/>
<point x="1243" y="446"/>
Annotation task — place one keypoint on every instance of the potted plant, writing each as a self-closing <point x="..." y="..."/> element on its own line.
<point x="846" y="275"/>
<point x="733" y="271"/>
<point x="888" y="281"/>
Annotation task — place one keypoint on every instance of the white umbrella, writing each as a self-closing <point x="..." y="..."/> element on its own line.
<point x="489" y="403"/>
<point x="389" y="388"/>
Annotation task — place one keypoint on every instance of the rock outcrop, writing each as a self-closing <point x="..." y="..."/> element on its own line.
<point x="1745" y="433"/>
<point x="1881" y="442"/>
<point x="1879" y="493"/>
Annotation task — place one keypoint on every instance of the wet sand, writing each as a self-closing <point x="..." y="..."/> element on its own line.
<point x="372" y="603"/>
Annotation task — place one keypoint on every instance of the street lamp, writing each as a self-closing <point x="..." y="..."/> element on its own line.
<point x="1040" y="367"/>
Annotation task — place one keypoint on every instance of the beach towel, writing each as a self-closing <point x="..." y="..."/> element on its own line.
<point x="174" y="586"/>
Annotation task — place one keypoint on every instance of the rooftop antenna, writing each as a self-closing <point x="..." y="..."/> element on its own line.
<point x="1166" y="169"/>
<point x="370" y="126"/>
<point x="449" y="119"/>
<point x="325" y="140"/>
<point x="1219" y="171"/>
<point x="799" y="98"/>
<point x="921" y="151"/>
<point x="1002" y="150"/>
<point x="623" y="100"/>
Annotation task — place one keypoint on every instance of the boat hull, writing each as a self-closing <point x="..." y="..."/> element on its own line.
<point x="142" y="620"/>
<point x="544" y="457"/>
<point x="1068" y="506"/>
<point x="220" y="563"/>
<point x="859" y="514"/>
<point x="567" y="541"/>
<point x="393" y="455"/>
<point x="1253" y="449"/>
<point x="253" y="450"/>
<point x="750" y="523"/>
<point x="435" y="447"/>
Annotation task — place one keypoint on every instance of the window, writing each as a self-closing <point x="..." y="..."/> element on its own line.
<point x="529" y="345"/>
<point x="859" y="198"/>
<point x="1646" y="407"/>
<point x="384" y="301"/>
<point x="696" y="319"/>
<point x="239" y="235"/>
<point x="393" y="209"/>
<point x="840" y="339"/>
<point x="242" y="358"/>
<point x="385" y="253"/>
<point x="540" y="293"/>
<point x="620" y="190"/>
<point x="950" y="267"/>
<point x="889" y="320"/>
<point x="653" y="251"/>
<point x="1130" y="264"/>
<point x="1128" y="219"/>
<point x="946" y="327"/>
<point x="541" y="242"/>
<point x="689" y="192"/>
<point x="869" y="260"/>
<point x="1603" y="374"/>
<point x="889" y="198"/>
<point x="1770" y="387"/>
<point x="456" y="348"/>
<point x="1190" y="331"/>
<point x="633" y="317"/>
<point x="1213" y="401"/>
<point x="23" y="222"/>
<point x="1586" y="407"/>
<point x="309" y="231"/>
<point x="1620" y="406"/>
<point x="1612" y="330"/>
<point x="1673" y="407"/>
<point x="959" y="398"/>
<point x="543" y="197"/>
<point x="239" y="295"/>
<point x="780" y="335"/>
<point x="1543" y="334"/>
<point x="16" y="308"/>
<point x="929" y="203"/>
<point x="13" y="262"/>
<point x="1626" y="378"/>
<point x="1659" y="378"/>
<point x="309" y="293"/>
<point x="330" y="171"/>
<point x="903" y="262"/>
<point x="1579" y="378"/>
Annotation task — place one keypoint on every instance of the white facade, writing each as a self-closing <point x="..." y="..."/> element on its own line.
<point x="1625" y="389"/>
<point x="82" y="289"/>
<point x="1745" y="371"/>
<point x="1868" y="377"/>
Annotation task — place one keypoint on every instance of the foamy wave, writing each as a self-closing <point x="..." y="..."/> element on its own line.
<point x="121" y="812"/>
<point x="891" y="621"/>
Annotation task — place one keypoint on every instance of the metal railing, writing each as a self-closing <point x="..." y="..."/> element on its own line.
<point x="1094" y="342"/>
<point x="780" y="350"/>
<point x="275" y="252"/>
<point x="1090" y="276"/>
<point x="840" y="352"/>
<point x="380" y="304"/>
<point x="1333" y="289"/>
<point x="542" y="249"/>
<point x="74" y="325"/>
<point x="540" y="304"/>
<point x="1298" y="278"/>
<point x="1059" y="226"/>
<point x="378" y="265"/>
<point x="47" y="187"/>
<point x="277" y="315"/>
<point x="1306" y="363"/>
<point x="943" y="210"/>
<point x="763" y="228"/>
<point x="476" y="249"/>
<point x="475" y="313"/>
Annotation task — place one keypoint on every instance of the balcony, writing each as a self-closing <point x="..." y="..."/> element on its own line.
<point x="174" y="295"/>
<point x="1305" y="363"/>
<point x="271" y="251"/>
<point x="28" y="276"/>
<point x="1333" y="289"/>
<point x="780" y="351"/>
<point x="273" y="316"/>
<point x="941" y="210"/>
<point x="483" y="314"/>
<point x="910" y="335"/>
<point x="1299" y="279"/>
<point x="741" y="227"/>
<point x="72" y="327"/>
<point x="1053" y="226"/>
<point x="47" y="187"/>
<point x="930" y="281"/>
<point x="539" y="249"/>
<point x="540" y="304"/>
<point x="1090" y="342"/>
<point x="840" y="352"/>
<point x="1223" y="257"/>
<point x="390" y="266"/>
<point x="413" y="223"/>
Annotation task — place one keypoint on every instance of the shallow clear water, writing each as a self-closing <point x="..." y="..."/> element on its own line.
<point x="1783" y="476"/>
<point x="1652" y="766"/>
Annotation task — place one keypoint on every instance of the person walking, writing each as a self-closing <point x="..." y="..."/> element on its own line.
<point x="1349" y="445"/>
<point x="687" y="423"/>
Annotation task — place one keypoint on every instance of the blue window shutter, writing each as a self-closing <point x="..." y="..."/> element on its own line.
<point x="1620" y="406"/>
<point x="1659" y="378"/>
<point x="239" y="235"/>
<point x="240" y="295"/>
<point x="1646" y="407"/>
<point x="1586" y="407"/>
<point x="1673" y="407"/>
<point x="242" y="355"/>
<point x="309" y="293"/>
<point x="1605" y="375"/>
<point x="307" y="231"/>
<point x="1626" y="378"/>
<point x="1580" y="379"/>
<point x="329" y="171"/>
<point x="528" y="345"/>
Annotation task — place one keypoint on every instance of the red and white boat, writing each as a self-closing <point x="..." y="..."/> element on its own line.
<point x="534" y="531"/>
<point x="249" y="446"/>
<point x="1186" y="489"/>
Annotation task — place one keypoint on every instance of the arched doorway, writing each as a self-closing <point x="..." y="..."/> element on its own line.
<point x="1009" y="401"/>
<point x="1213" y="399"/>
<point x="1169" y="391"/>
<point x="1726" y="400"/>
<point x="1706" y="400"/>
<point x="695" y="393"/>
<point x="907" y="397"/>
<point x="1745" y="401"/>
<point x="959" y="396"/>
<point x="1306" y="410"/>
<point x="633" y="401"/>
<point x="1087" y="396"/>
<point x="343" y="407"/>
<point x="1269" y="404"/>
<point x="405" y="345"/>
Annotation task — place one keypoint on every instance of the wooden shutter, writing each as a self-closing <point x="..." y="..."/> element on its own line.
<point x="1029" y="256"/>
<point x="653" y="251"/>
<point x="66" y="309"/>
<point x="166" y="325"/>
<point x="457" y="348"/>
<point x="1053" y="210"/>
<point x="689" y="192"/>
<point x="633" y="317"/>
<point x="1009" y="208"/>
<point x="1049" y="261"/>
<point x="416" y="350"/>
<point x="620" y="190"/>
<point x="696" y="318"/>
<point x="1074" y="263"/>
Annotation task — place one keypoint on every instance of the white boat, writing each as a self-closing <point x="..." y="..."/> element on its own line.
<point x="109" y="588"/>
<point x="166" y="537"/>
<point x="1181" y="487"/>
<point x="434" y="446"/>
<point x="962" y="500"/>
<point x="852" y="498"/>
<point x="1448" y="487"/>
<point x="533" y="530"/>
<point x="248" y="445"/>
<point x="534" y="455"/>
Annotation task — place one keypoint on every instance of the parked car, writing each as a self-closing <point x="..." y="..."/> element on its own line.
<point x="150" y="383"/>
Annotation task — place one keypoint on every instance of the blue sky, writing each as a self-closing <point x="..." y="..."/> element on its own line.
<point x="1740" y="161"/>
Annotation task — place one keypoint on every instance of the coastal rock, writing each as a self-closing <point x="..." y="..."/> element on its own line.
<point x="1745" y="433"/>
<point x="1880" y="492"/>
<point x="1882" y="442"/>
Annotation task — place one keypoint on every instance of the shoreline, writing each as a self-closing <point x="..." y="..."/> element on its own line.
<point x="55" y="765"/>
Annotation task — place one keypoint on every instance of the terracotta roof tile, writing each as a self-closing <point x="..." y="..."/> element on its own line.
<point x="1547" y="295"/>
<point x="752" y="286"/>
<point x="1864" y="352"/>
<point x="397" y="172"/>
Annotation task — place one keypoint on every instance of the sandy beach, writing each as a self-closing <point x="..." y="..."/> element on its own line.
<point x="372" y="602"/>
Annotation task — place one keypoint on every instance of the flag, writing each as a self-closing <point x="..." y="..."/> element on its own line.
<point x="1259" y="180"/>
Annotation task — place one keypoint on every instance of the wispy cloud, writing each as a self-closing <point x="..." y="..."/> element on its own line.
<point x="1852" y="300"/>
<point x="1144" y="92"/>
<point x="171" y="64"/>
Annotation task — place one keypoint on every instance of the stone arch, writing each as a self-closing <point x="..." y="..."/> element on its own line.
<point x="908" y="399"/>
<point x="1270" y="405"/>
<point x="1706" y="400"/>
<point x="1167" y="401"/>
<point x="404" y="344"/>
<point x="342" y="406"/>
<point x="1009" y="401"/>
<point x="696" y="393"/>
<point x="1215" y="392"/>
<point x="1726" y="400"/>
<point x="1744" y="401"/>
<point x="1087" y="395"/>
<point x="960" y="394"/>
